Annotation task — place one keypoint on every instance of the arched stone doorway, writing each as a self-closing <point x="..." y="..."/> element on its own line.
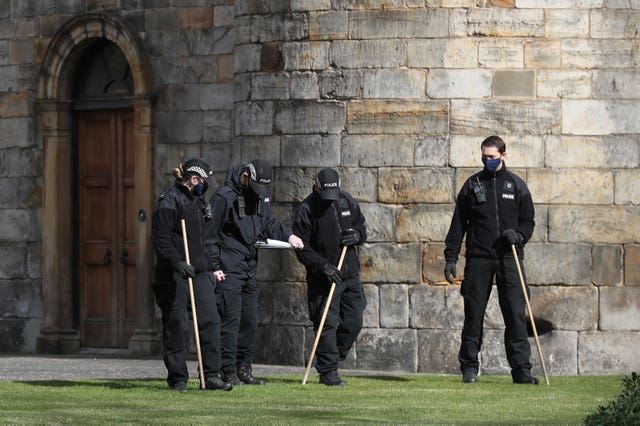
<point x="60" y="331"/>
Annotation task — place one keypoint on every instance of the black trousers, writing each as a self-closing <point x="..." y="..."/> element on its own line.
<point x="476" y="289"/>
<point x="343" y="322"/>
<point x="237" y="299"/>
<point x="173" y="299"/>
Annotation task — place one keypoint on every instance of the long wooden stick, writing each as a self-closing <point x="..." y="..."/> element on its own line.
<point x="533" y="324"/>
<point x="324" y="317"/>
<point x="193" y="308"/>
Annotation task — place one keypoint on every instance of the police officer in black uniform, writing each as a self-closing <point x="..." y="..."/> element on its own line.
<point x="184" y="201"/>
<point x="327" y="220"/>
<point x="241" y="217"/>
<point x="495" y="210"/>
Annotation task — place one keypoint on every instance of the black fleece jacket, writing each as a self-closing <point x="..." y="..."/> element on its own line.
<point x="319" y="225"/>
<point x="240" y="220"/>
<point x="508" y="205"/>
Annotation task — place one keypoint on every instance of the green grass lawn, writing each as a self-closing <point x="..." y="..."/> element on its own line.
<point x="412" y="399"/>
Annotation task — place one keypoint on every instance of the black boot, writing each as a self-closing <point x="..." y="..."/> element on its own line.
<point x="244" y="374"/>
<point x="216" y="383"/>
<point x="232" y="378"/>
<point x="331" y="378"/>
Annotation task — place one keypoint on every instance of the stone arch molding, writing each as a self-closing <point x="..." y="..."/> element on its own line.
<point x="58" y="333"/>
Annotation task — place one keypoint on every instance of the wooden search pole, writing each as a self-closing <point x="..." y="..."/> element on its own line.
<point x="193" y="308"/>
<point x="533" y="324"/>
<point x="324" y="317"/>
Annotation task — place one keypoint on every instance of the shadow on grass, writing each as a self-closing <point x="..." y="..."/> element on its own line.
<point x="111" y="384"/>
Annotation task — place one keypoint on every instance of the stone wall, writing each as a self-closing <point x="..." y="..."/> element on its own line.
<point x="397" y="95"/>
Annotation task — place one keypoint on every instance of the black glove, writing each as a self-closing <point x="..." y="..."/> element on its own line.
<point x="332" y="273"/>
<point x="450" y="271"/>
<point x="512" y="237"/>
<point x="185" y="270"/>
<point x="350" y="237"/>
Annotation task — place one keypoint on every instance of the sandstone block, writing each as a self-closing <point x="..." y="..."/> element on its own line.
<point x="16" y="132"/>
<point x="19" y="225"/>
<point x="415" y="185"/>
<point x="216" y="96"/>
<point x="306" y="56"/>
<point x="340" y="84"/>
<point x="452" y="83"/>
<point x="594" y="224"/>
<point x="541" y="55"/>
<point x="545" y="4"/>
<point x="202" y="70"/>
<point x="223" y="16"/>
<point x="607" y="265"/>
<point x="588" y="152"/>
<point x="611" y="24"/>
<point x="371" y="316"/>
<point x="558" y="263"/>
<point x="289" y="303"/>
<point x="566" y="308"/>
<point x="380" y="219"/>
<point x="498" y="53"/>
<point x="616" y="84"/>
<point x="594" y="53"/>
<point x="394" y="83"/>
<point x="279" y="27"/>
<point x="254" y="118"/>
<point x="433" y="262"/>
<point x="163" y="19"/>
<point x="619" y="307"/>
<point x="563" y="84"/>
<point x="247" y="58"/>
<point x="431" y="151"/>
<point x="436" y="307"/>
<point x="373" y="150"/>
<point x="268" y="265"/>
<point x="304" y="85"/>
<point x="21" y="162"/>
<point x="293" y="184"/>
<point x="288" y="342"/>
<point x="194" y="18"/>
<point x="292" y="269"/>
<point x="449" y="3"/>
<point x="505" y="116"/>
<point x="20" y="52"/>
<point x="503" y="22"/>
<point x="34" y="262"/>
<point x="12" y="267"/>
<point x="303" y="117"/>
<point x="360" y="182"/>
<point x="394" y="306"/>
<point x="391" y="263"/>
<point x="424" y="222"/>
<point x="571" y="186"/>
<point x="397" y="116"/>
<point x="270" y="86"/>
<point x="399" y="23"/>
<point x="442" y="53"/>
<point x="328" y="25"/>
<point x="632" y="265"/>
<point x="608" y="352"/>
<point x="216" y="126"/>
<point x="265" y="147"/>
<point x="566" y="23"/>
<point x="389" y="350"/>
<point x="514" y="84"/>
<point x="438" y="351"/>
<point x="354" y="54"/>
<point x="522" y="151"/>
<point x="310" y="150"/>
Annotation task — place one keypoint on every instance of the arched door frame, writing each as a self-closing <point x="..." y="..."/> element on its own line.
<point x="59" y="334"/>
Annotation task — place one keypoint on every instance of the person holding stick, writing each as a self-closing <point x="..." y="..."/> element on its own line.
<point x="184" y="202"/>
<point x="328" y="221"/>
<point x="495" y="210"/>
<point x="241" y="217"/>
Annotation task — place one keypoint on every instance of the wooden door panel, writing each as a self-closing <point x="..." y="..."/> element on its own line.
<point x="107" y="228"/>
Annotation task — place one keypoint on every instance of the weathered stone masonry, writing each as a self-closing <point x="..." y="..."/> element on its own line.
<point x="397" y="95"/>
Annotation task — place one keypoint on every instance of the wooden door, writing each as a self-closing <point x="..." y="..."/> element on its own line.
<point x="106" y="217"/>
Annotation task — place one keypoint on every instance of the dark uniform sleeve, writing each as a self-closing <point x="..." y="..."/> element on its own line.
<point x="219" y="213"/>
<point x="358" y="220"/>
<point x="526" y="216"/>
<point x="163" y="221"/>
<point x="302" y="227"/>
<point x="458" y="227"/>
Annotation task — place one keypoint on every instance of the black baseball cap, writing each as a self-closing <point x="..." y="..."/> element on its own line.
<point x="197" y="167"/>
<point x="260" y="177"/>
<point x="328" y="182"/>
